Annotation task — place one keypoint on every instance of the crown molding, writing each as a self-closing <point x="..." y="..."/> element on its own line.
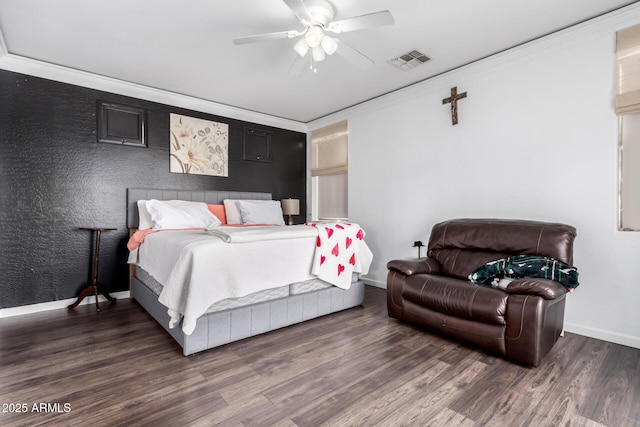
<point x="602" y="26"/>
<point x="568" y="37"/>
<point x="19" y="64"/>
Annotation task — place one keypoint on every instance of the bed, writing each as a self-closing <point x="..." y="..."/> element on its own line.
<point x="282" y="300"/>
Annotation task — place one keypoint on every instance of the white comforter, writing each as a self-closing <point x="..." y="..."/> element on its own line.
<point x="197" y="268"/>
<point x="258" y="233"/>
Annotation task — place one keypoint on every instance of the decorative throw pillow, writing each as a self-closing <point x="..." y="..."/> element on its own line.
<point x="520" y="266"/>
<point x="219" y="212"/>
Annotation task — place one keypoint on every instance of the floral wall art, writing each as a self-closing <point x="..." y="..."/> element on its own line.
<point x="199" y="146"/>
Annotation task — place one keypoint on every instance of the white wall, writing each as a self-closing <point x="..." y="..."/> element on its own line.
<point x="537" y="139"/>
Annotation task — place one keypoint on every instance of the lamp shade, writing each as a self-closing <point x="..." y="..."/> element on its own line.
<point x="329" y="44"/>
<point x="290" y="206"/>
<point x="301" y="47"/>
<point x="318" y="54"/>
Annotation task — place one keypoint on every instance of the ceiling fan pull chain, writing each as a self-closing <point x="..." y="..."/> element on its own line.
<point x="312" y="64"/>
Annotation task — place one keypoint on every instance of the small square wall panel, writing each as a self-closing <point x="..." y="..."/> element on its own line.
<point x="257" y="145"/>
<point x="122" y="124"/>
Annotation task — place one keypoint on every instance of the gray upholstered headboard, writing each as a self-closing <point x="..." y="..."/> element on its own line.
<point x="210" y="197"/>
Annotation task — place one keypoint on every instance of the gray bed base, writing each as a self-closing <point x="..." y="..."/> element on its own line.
<point x="222" y="327"/>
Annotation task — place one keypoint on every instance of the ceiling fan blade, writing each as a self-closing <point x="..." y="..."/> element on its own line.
<point x="353" y="55"/>
<point x="376" y="19"/>
<point x="300" y="10"/>
<point x="268" y="36"/>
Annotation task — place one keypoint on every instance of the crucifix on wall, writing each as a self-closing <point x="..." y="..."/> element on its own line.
<point x="453" y="99"/>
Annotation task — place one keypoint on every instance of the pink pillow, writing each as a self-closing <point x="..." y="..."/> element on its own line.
<point x="219" y="212"/>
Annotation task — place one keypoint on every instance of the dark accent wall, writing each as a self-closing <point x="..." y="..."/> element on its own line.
<point x="55" y="177"/>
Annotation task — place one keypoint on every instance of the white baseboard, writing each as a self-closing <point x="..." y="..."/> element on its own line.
<point x="628" y="340"/>
<point x="54" y="305"/>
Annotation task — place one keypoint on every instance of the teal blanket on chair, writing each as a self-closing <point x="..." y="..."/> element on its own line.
<point x="521" y="266"/>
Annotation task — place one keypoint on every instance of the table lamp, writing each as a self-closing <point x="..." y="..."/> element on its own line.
<point x="290" y="207"/>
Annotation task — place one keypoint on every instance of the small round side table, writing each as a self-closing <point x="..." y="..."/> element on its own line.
<point x="94" y="288"/>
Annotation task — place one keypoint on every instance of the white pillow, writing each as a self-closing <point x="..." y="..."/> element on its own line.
<point x="232" y="211"/>
<point x="144" y="217"/>
<point x="172" y="215"/>
<point x="261" y="212"/>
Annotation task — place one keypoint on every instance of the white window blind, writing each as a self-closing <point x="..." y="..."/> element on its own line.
<point x="333" y="196"/>
<point x="329" y="149"/>
<point x="329" y="170"/>
<point x="629" y="213"/>
<point x="628" y="58"/>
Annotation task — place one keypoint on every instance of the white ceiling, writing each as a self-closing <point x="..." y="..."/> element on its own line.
<point x="185" y="47"/>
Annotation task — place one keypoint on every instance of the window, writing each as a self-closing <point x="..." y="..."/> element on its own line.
<point x="329" y="171"/>
<point x="628" y="109"/>
<point x="629" y="164"/>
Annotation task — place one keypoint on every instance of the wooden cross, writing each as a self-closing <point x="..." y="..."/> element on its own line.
<point x="453" y="99"/>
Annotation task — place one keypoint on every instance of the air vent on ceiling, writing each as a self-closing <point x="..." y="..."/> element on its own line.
<point x="409" y="60"/>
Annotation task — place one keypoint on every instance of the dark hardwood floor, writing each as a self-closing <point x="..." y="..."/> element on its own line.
<point x="354" y="368"/>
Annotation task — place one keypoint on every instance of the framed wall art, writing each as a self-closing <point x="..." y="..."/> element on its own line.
<point x="198" y="146"/>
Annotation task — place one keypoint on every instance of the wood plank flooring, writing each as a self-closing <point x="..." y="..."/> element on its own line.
<point x="354" y="368"/>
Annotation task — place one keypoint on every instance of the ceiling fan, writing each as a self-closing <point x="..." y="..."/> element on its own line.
<point x="317" y="18"/>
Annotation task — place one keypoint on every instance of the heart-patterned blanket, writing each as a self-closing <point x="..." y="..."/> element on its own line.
<point x="339" y="248"/>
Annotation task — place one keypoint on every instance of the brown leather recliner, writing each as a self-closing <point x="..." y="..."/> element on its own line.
<point x="521" y="322"/>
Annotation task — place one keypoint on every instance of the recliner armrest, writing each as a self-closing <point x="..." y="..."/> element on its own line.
<point x="547" y="289"/>
<point x="414" y="266"/>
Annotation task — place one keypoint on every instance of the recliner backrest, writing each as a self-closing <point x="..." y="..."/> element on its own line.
<point x="462" y="245"/>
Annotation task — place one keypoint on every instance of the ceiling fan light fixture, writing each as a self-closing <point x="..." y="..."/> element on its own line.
<point x="301" y="47"/>
<point x="329" y="44"/>
<point x="318" y="54"/>
<point x="314" y="36"/>
<point x="317" y="18"/>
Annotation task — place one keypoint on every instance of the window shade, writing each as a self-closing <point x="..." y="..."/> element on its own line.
<point x="333" y="200"/>
<point x="329" y="149"/>
<point x="628" y="55"/>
